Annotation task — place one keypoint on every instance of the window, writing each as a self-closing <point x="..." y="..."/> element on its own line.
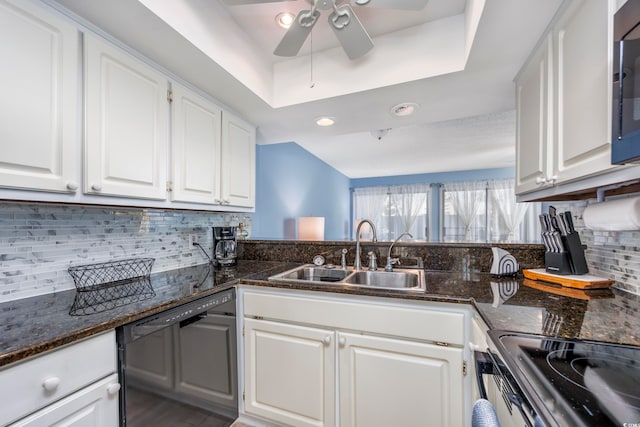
<point x="393" y="210"/>
<point x="487" y="212"/>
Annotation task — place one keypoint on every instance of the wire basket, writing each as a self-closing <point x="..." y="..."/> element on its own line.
<point x="108" y="285"/>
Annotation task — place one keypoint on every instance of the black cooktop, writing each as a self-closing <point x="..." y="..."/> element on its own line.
<point x="576" y="383"/>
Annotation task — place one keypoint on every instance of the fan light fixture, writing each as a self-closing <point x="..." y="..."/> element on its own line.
<point x="341" y="18"/>
<point x="325" y="121"/>
<point x="404" y="109"/>
<point x="284" y="20"/>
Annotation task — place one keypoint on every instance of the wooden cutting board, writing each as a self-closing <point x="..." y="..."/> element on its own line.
<point x="584" y="294"/>
<point x="584" y="281"/>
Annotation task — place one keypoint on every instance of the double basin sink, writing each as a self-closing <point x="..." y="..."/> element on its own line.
<point x="408" y="280"/>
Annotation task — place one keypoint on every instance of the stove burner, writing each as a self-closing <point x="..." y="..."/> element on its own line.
<point x="608" y="376"/>
<point x="574" y="383"/>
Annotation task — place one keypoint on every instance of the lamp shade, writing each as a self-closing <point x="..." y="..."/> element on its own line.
<point x="311" y="228"/>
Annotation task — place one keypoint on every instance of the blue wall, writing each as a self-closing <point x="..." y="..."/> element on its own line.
<point x="291" y="182"/>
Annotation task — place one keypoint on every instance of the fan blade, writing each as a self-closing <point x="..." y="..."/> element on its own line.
<point x="349" y="30"/>
<point x="240" y="2"/>
<point x="296" y="34"/>
<point x="392" y="4"/>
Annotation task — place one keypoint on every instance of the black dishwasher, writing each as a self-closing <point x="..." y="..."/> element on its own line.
<point x="180" y="365"/>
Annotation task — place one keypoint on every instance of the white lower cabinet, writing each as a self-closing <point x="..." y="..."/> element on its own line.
<point x="290" y="373"/>
<point x="93" y="406"/>
<point x="385" y="382"/>
<point x="300" y="370"/>
<point x="75" y="385"/>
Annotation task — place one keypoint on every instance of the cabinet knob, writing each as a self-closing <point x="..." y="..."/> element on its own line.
<point x="225" y="201"/>
<point x="96" y="187"/>
<point x="327" y="340"/>
<point x="552" y="179"/>
<point x="72" y="186"/>
<point x="342" y="341"/>
<point x="51" y="384"/>
<point x="540" y="180"/>
<point x="217" y="201"/>
<point x="113" y="389"/>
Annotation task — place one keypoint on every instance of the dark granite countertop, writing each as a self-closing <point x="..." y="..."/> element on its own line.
<point x="33" y="325"/>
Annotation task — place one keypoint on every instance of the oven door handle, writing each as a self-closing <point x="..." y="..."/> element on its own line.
<point x="194" y="319"/>
<point x="484" y="366"/>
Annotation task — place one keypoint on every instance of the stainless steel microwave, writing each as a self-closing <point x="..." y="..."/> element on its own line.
<point x="625" y="140"/>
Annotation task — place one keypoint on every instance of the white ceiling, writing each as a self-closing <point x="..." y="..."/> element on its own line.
<point x="456" y="59"/>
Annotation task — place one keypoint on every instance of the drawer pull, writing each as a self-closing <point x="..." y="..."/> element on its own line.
<point x="113" y="389"/>
<point x="51" y="384"/>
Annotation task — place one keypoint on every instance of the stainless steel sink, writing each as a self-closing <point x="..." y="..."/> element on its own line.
<point x="384" y="279"/>
<point x="400" y="279"/>
<point x="314" y="274"/>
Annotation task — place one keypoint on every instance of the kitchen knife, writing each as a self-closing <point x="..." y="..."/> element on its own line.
<point x="544" y="233"/>
<point x="569" y="220"/>
<point x="548" y="227"/>
<point x="557" y="240"/>
<point x="562" y="224"/>
<point x="553" y="218"/>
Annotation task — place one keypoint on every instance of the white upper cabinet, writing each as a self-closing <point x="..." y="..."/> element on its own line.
<point x="532" y="131"/>
<point x="563" y="101"/>
<point x="238" y="161"/>
<point x="583" y="86"/>
<point x="39" y="104"/>
<point x="127" y="131"/>
<point x="195" y="148"/>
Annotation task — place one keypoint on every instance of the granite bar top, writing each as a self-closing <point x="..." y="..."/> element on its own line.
<point x="34" y="325"/>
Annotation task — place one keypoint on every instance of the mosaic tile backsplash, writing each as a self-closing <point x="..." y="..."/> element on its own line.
<point x="614" y="255"/>
<point x="38" y="242"/>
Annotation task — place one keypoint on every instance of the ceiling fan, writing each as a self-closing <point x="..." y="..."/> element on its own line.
<point x="343" y="21"/>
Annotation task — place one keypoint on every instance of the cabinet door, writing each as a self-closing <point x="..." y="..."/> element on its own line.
<point x="386" y="382"/>
<point x="195" y="148"/>
<point x="533" y="135"/>
<point x="583" y="68"/>
<point x="150" y="359"/>
<point x="290" y="373"/>
<point x="206" y="360"/>
<point x="95" y="405"/>
<point x="127" y="116"/>
<point x="39" y="75"/>
<point x="238" y="162"/>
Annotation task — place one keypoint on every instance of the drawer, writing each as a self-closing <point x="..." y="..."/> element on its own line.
<point x="430" y="323"/>
<point x="39" y="381"/>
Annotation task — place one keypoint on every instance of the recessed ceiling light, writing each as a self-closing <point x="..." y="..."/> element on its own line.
<point x="325" y="121"/>
<point x="285" y="19"/>
<point x="404" y="109"/>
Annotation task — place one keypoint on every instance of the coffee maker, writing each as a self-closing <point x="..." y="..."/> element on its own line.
<point x="224" y="246"/>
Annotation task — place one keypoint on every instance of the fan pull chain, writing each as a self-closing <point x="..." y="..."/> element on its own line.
<point x="311" y="82"/>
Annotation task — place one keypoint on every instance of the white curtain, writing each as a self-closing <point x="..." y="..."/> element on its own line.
<point x="503" y="199"/>
<point x="467" y="198"/>
<point x="410" y="201"/>
<point x="369" y="203"/>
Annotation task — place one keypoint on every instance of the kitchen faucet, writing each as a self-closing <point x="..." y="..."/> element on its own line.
<point x="357" y="264"/>
<point x="391" y="261"/>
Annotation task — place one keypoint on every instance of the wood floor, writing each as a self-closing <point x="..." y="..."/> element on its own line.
<point x="145" y="409"/>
